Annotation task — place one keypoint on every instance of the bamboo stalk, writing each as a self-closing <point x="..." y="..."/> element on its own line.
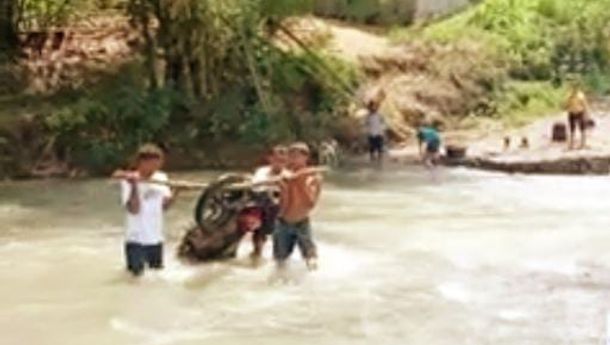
<point x="274" y="180"/>
<point x="179" y="184"/>
<point x="190" y="185"/>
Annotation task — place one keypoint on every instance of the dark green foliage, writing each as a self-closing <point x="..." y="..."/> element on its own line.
<point x="224" y="82"/>
<point x="548" y="39"/>
<point x="101" y="129"/>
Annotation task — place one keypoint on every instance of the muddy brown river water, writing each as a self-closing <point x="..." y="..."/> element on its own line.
<point x="463" y="258"/>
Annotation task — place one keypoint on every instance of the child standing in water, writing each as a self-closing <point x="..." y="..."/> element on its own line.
<point x="145" y="204"/>
<point x="429" y="144"/>
<point x="299" y="194"/>
<point x="375" y="129"/>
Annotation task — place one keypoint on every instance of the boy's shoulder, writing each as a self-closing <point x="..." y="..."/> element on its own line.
<point x="262" y="169"/>
<point x="160" y="175"/>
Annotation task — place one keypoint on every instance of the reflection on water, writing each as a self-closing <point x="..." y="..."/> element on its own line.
<point x="476" y="258"/>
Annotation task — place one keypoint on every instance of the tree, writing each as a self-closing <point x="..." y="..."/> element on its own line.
<point x="9" y="40"/>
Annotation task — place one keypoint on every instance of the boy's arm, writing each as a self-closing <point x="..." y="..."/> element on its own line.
<point x="169" y="194"/>
<point x="585" y="102"/>
<point x="313" y="190"/>
<point x="169" y="199"/>
<point x="133" y="201"/>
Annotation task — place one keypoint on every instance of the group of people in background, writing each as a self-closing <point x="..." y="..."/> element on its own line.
<point x="288" y="221"/>
<point x="428" y="137"/>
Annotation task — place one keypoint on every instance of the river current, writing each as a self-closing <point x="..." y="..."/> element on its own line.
<point x="463" y="257"/>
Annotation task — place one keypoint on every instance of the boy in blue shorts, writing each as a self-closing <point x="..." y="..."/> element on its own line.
<point x="145" y="204"/>
<point x="299" y="194"/>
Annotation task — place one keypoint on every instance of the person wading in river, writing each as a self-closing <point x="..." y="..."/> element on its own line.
<point x="299" y="194"/>
<point x="375" y="129"/>
<point x="429" y="144"/>
<point x="276" y="166"/>
<point x="577" y="107"/>
<point x="145" y="204"/>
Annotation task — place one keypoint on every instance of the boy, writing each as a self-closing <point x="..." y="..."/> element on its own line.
<point x="276" y="164"/>
<point x="299" y="193"/>
<point x="145" y="203"/>
<point x="375" y="128"/>
<point x="429" y="137"/>
<point x="577" y="108"/>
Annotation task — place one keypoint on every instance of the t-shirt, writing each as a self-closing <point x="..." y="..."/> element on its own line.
<point x="146" y="227"/>
<point x="262" y="174"/>
<point x="375" y="124"/>
<point x="429" y="135"/>
<point x="577" y="103"/>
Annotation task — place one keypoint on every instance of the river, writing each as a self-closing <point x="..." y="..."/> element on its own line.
<point x="463" y="258"/>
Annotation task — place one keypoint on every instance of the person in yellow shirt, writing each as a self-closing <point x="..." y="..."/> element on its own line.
<point x="577" y="107"/>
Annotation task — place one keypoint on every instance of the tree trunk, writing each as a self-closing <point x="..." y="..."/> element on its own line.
<point x="196" y="72"/>
<point x="175" y="71"/>
<point x="151" y="56"/>
<point x="9" y="41"/>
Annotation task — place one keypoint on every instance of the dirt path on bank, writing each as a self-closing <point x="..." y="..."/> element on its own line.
<point x="350" y="42"/>
<point x="539" y="135"/>
<point x="353" y="42"/>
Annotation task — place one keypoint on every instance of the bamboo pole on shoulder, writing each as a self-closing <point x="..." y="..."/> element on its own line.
<point x="191" y="185"/>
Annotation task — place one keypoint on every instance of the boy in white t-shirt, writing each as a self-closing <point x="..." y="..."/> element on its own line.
<point x="375" y="129"/>
<point x="276" y="164"/>
<point x="145" y="204"/>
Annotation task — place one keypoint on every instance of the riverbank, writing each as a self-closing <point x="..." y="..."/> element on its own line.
<point x="322" y="72"/>
<point x="542" y="155"/>
<point x="486" y="147"/>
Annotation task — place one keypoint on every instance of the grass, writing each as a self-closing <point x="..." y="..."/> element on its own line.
<point x="537" y="44"/>
<point x="521" y="102"/>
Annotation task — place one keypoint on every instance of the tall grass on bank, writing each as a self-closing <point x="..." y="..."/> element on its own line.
<point x="539" y="44"/>
<point x="538" y="39"/>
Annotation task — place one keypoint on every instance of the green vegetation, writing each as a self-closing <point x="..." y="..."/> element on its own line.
<point x="539" y="44"/>
<point x="519" y="102"/>
<point x="207" y="75"/>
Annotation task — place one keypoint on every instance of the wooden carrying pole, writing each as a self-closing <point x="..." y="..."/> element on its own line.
<point x="189" y="185"/>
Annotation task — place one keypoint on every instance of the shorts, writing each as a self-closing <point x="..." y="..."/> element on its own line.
<point x="138" y="255"/>
<point x="288" y="235"/>
<point x="376" y="144"/>
<point x="577" y="119"/>
<point x="433" y="147"/>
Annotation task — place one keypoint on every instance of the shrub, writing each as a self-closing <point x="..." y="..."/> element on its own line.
<point x="99" y="131"/>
